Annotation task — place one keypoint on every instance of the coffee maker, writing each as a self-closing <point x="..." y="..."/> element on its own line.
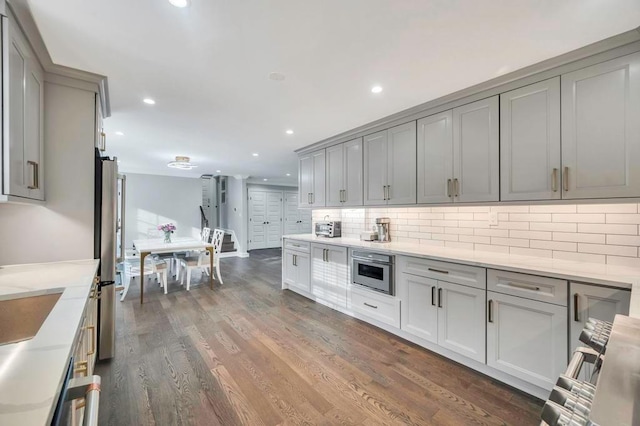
<point x="382" y="224"/>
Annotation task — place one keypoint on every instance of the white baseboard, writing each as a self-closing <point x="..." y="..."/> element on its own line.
<point x="233" y="254"/>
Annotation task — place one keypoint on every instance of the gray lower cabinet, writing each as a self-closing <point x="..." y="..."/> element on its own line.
<point x="530" y="142"/>
<point x="329" y="274"/>
<point x="451" y="315"/>
<point x="601" y="130"/>
<point x="526" y="338"/>
<point x="590" y="301"/>
<point x="295" y="270"/>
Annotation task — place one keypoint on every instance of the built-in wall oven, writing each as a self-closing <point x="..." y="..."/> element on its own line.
<point x="373" y="270"/>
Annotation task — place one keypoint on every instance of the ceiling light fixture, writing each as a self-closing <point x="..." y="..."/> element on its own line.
<point x="179" y="3"/>
<point x="376" y="89"/>
<point x="265" y="179"/>
<point x="289" y="132"/>
<point x="181" y="163"/>
<point x="276" y="76"/>
<point x="255" y="154"/>
<point x="288" y="174"/>
<point x="119" y="133"/>
<point x="218" y="171"/>
<point x="149" y="101"/>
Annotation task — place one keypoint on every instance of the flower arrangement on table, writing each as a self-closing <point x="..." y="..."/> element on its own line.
<point x="168" y="229"/>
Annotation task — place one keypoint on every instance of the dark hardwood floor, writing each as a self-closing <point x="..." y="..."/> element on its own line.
<point x="249" y="353"/>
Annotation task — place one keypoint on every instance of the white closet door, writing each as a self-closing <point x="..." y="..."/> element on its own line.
<point x="274" y="220"/>
<point x="601" y="130"/>
<point x="257" y="220"/>
<point x="401" y="164"/>
<point x="435" y="158"/>
<point x="476" y="167"/>
<point x="530" y="142"/>
<point x="353" y="173"/>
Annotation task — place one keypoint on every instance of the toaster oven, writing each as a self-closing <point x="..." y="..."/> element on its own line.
<point x="329" y="229"/>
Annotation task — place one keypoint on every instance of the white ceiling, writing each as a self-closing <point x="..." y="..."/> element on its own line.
<point x="207" y="66"/>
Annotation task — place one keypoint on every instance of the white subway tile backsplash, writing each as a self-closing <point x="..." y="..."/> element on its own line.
<point x="599" y="233"/>
<point x="608" y="249"/>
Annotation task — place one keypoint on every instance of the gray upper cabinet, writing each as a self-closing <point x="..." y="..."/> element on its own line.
<point x="311" y="179"/>
<point x="23" y="106"/>
<point x="435" y="158"/>
<point x="476" y="171"/>
<point x="601" y="130"/>
<point x="344" y="174"/>
<point x="390" y="166"/>
<point x="530" y="142"/>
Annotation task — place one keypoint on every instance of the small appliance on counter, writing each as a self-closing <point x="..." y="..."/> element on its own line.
<point x="382" y="223"/>
<point x="329" y="229"/>
<point x="369" y="236"/>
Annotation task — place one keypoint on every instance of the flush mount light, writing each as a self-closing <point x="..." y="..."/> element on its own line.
<point x="288" y="174"/>
<point x="265" y="179"/>
<point x="149" y="101"/>
<point x="289" y="132"/>
<point x="119" y="133"/>
<point x="181" y="163"/>
<point x="218" y="171"/>
<point x="276" y="76"/>
<point x="255" y="154"/>
<point x="179" y="3"/>
<point x="376" y="89"/>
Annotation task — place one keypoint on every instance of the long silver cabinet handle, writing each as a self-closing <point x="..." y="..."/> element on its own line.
<point x="490" y="310"/>
<point x="449" y="188"/>
<point x="34" y="176"/>
<point x="89" y="388"/>
<point x="554" y="180"/>
<point x="371" y="306"/>
<point x="441" y="271"/>
<point x="388" y="192"/>
<point x="524" y="286"/>
<point x="456" y="187"/>
<point x="565" y="179"/>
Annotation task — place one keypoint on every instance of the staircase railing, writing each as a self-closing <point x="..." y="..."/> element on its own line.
<point x="204" y="222"/>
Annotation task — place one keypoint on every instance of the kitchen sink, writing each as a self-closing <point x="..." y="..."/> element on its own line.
<point x="22" y="317"/>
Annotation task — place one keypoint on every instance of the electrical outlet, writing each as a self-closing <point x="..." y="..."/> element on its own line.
<point x="493" y="218"/>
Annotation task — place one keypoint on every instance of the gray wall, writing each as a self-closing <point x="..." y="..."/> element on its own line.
<point x="153" y="200"/>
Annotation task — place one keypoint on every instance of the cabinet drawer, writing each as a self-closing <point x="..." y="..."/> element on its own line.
<point x="550" y="290"/>
<point x="472" y="276"/>
<point x="297" y="246"/>
<point x="380" y="307"/>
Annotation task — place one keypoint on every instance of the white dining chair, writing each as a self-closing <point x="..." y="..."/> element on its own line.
<point x="152" y="266"/>
<point x="200" y="260"/>
<point x="205" y="236"/>
<point x="218" y="237"/>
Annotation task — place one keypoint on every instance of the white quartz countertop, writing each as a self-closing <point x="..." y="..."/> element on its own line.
<point x="593" y="273"/>
<point x="32" y="371"/>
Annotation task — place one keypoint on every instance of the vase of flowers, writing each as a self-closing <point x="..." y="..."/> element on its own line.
<point x="168" y="229"/>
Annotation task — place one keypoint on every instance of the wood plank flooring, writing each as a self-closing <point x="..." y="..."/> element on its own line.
<point x="249" y="353"/>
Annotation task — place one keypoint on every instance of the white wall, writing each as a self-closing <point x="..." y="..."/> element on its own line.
<point x="236" y="211"/>
<point x="153" y="200"/>
<point x="63" y="229"/>
<point x="596" y="233"/>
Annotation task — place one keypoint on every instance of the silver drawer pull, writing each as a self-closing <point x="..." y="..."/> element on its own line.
<point x="524" y="286"/>
<point x="438" y="270"/>
<point x="371" y="306"/>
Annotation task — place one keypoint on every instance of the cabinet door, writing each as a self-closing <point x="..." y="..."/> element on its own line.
<point x="336" y="276"/>
<point x="33" y="138"/>
<point x="419" y="307"/>
<point x="530" y="142"/>
<point x="527" y="338"/>
<point x="318" y="180"/>
<point x="335" y="175"/>
<point x="289" y="271"/>
<point x="303" y="275"/>
<point x="16" y="173"/>
<point x="476" y="169"/>
<point x="601" y="303"/>
<point x="353" y="173"/>
<point x="461" y="326"/>
<point x="401" y="167"/>
<point x="375" y="168"/>
<point x="435" y="158"/>
<point x="601" y="130"/>
<point x="318" y="271"/>
<point x="305" y="176"/>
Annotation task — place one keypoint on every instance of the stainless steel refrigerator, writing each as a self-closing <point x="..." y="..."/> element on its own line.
<point x="108" y="247"/>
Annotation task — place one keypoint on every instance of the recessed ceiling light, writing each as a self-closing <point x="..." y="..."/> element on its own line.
<point x="218" y="171"/>
<point x="276" y="76"/>
<point x="376" y="89"/>
<point x="149" y="101"/>
<point x="181" y="163"/>
<point x="255" y="154"/>
<point x="289" y="132"/>
<point x="265" y="179"/>
<point x="119" y="133"/>
<point x="179" y="3"/>
<point x="288" y="174"/>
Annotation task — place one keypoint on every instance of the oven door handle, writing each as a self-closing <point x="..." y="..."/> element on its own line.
<point x="365" y="260"/>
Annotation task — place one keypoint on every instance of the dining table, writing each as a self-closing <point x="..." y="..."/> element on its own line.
<point x="145" y="247"/>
